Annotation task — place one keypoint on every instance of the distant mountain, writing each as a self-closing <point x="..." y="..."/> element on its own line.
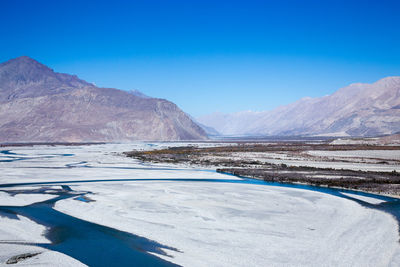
<point x="38" y="104"/>
<point x="390" y="139"/>
<point x="209" y="130"/>
<point x="356" y="110"/>
<point x="230" y="124"/>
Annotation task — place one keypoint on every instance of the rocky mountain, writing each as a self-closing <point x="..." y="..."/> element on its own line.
<point x="38" y="104"/>
<point x="356" y="110"/>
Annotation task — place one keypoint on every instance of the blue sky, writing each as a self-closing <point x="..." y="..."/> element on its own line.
<point x="209" y="56"/>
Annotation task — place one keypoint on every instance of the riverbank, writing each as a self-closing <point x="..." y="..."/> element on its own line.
<point x="30" y="144"/>
<point x="369" y="168"/>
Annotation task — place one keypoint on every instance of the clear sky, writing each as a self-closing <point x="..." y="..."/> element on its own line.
<point x="209" y="56"/>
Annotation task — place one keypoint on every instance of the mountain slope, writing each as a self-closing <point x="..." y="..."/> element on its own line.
<point x="355" y="110"/>
<point x="38" y="104"/>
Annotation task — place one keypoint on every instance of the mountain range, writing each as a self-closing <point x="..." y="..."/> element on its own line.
<point x="359" y="109"/>
<point x="40" y="105"/>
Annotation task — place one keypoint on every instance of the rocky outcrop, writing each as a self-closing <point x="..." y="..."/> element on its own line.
<point x="21" y="257"/>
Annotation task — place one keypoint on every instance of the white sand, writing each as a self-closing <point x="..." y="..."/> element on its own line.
<point x="364" y="198"/>
<point x="26" y="231"/>
<point x="290" y="160"/>
<point x="212" y="224"/>
<point x="22" y="199"/>
<point x="375" y="154"/>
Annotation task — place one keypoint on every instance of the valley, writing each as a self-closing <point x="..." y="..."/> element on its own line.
<point x="63" y="204"/>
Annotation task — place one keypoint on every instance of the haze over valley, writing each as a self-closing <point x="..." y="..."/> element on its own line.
<point x="355" y="110"/>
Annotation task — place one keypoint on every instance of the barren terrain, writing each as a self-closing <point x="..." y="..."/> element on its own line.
<point x="372" y="168"/>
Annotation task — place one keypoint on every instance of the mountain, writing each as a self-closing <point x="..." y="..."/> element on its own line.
<point x="40" y="105"/>
<point x="356" y="110"/>
<point x="209" y="130"/>
<point x="390" y="139"/>
<point x="230" y="124"/>
<point x="138" y="93"/>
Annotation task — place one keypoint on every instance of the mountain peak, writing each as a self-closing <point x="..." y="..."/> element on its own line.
<point x="25" y="61"/>
<point x="25" y="77"/>
<point x="388" y="81"/>
<point x="23" y="58"/>
<point x="24" y="70"/>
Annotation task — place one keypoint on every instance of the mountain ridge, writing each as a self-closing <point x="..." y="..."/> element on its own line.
<point x="38" y="104"/>
<point x="359" y="109"/>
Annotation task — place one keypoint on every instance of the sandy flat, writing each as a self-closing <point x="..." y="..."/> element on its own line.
<point x="210" y="223"/>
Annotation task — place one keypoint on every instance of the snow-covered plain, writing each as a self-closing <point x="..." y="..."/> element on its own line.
<point x="220" y="223"/>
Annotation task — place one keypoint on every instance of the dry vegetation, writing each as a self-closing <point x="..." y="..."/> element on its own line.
<point x="219" y="157"/>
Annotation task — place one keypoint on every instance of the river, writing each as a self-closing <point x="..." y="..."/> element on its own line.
<point x="54" y="172"/>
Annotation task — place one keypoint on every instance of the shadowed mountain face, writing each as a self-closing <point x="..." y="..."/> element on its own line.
<point x="38" y="104"/>
<point x="355" y="110"/>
